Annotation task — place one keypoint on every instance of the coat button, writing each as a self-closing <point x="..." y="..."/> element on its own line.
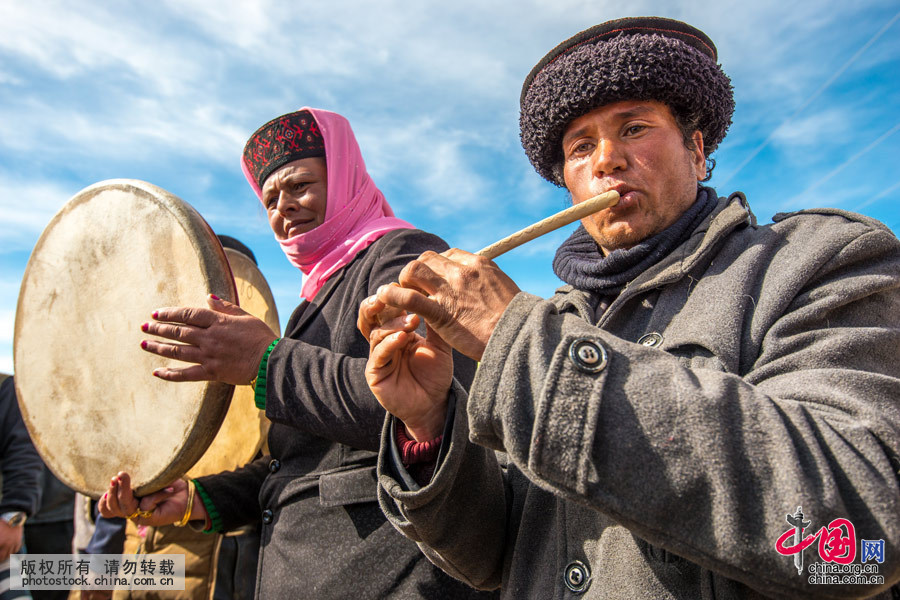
<point x="267" y="516"/>
<point x="651" y="340"/>
<point x="274" y="465"/>
<point x="588" y="355"/>
<point x="577" y="577"/>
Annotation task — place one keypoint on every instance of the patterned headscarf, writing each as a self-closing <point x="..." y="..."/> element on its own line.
<point x="356" y="213"/>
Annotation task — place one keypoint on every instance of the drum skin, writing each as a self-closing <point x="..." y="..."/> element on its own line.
<point x="117" y="251"/>
<point x="245" y="427"/>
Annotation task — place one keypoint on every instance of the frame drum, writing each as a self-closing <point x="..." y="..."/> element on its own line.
<point x="118" y="250"/>
<point x="245" y="427"/>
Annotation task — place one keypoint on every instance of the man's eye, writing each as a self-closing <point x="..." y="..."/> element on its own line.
<point x="581" y="149"/>
<point x="635" y="129"/>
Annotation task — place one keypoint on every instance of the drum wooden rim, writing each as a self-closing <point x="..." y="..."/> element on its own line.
<point x="212" y="404"/>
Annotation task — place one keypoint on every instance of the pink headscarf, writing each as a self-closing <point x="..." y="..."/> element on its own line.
<point x="356" y="213"/>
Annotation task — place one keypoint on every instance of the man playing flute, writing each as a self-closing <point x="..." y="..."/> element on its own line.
<point x="698" y="378"/>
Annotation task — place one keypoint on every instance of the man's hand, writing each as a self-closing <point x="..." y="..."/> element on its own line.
<point x="226" y="342"/>
<point x="409" y="375"/>
<point x="10" y="539"/>
<point x="460" y="295"/>
<point x="167" y="506"/>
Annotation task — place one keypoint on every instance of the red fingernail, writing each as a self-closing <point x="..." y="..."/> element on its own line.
<point x="144" y="344"/>
<point x="155" y="314"/>
<point x="213" y="296"/>
<point x="145" y="327"/>
<point x="155" y="374"/>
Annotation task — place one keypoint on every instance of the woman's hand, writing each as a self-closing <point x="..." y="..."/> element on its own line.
<point x="165" y="507"/>
<point x="224" y="341"/>
<point x="409" y="375"/>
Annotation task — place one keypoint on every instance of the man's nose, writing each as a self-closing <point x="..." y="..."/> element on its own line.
<point x="608" y="157"/>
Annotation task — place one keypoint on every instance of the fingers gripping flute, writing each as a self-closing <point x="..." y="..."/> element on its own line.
<point x="551" y="223"/>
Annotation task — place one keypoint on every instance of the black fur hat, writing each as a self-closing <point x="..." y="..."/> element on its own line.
<point x="637" y="58"/>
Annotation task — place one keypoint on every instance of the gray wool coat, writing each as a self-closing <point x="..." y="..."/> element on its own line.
<point x="657" y="452"/>
<point x="322" y="532"/>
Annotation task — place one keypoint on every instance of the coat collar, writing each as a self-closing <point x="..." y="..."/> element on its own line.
<point x="731" y="214"/>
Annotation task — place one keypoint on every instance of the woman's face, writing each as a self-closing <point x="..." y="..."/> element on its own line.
<point x="295" y="197"/>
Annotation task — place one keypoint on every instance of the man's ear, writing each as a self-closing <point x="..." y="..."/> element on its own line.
<point x="698" y="156"/>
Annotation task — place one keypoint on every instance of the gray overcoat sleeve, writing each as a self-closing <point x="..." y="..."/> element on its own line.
<point x="458" y="519"/>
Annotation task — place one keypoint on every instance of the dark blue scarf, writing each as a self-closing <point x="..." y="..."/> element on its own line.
<point x="580" y="263"/>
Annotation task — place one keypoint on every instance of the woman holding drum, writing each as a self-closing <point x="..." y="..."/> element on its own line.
<point x="323" y="533"/>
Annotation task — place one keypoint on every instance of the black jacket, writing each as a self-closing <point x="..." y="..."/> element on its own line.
<point x="323" y="533"/>
<point x="20" y="463"/>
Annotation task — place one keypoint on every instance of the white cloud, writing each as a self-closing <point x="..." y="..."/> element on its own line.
<point x="84" y="38"/>
<point x="352" y="42"/>
<point x="25" y="209"/>
<point x="244" y="24"/>
<point x="813" y="130"/>
<point x="434" y="159"/>
<point x="144" y="129"/>
<point x="781" y="57"/>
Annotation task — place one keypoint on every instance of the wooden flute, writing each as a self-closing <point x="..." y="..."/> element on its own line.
<point x="551" y="223"/>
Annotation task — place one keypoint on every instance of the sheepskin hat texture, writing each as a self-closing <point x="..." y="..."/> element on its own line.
<point x="637" y="58"/>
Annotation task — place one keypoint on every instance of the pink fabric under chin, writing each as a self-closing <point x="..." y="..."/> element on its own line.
<point x="356" y="213"/>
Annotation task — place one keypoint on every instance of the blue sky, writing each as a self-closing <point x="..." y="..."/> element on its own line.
<point x="168" y="92"/>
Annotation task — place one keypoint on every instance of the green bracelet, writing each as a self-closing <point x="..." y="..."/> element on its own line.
<point x="259" y="388"/>
<point x="215" y="519"/>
